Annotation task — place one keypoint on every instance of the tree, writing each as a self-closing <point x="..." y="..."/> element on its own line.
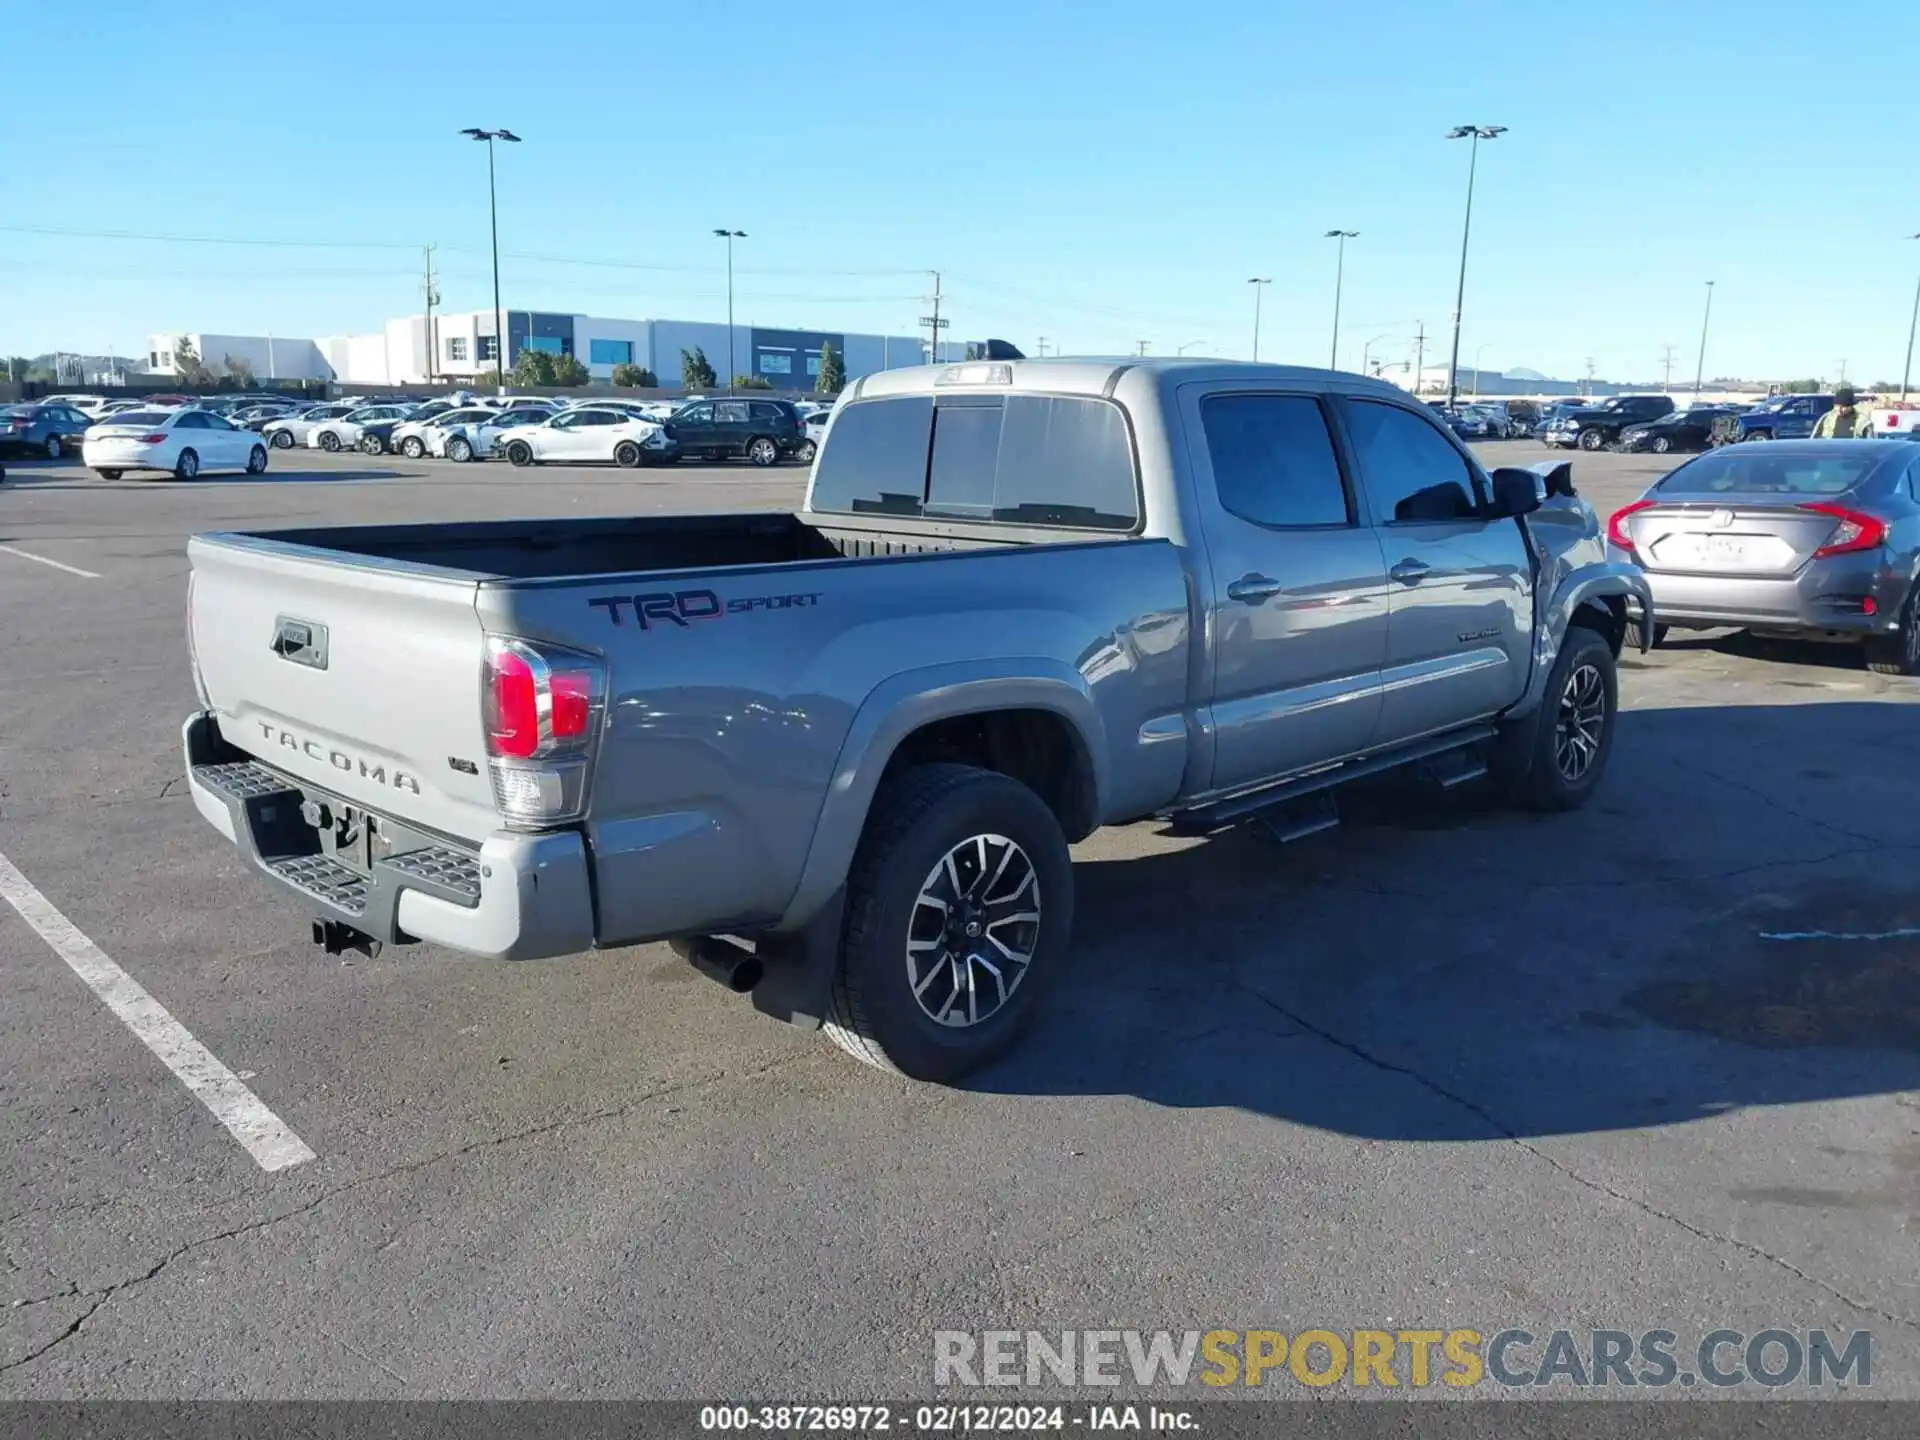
<point x="485" y="378"/>
<point x="567" y="370"/>
<point x="833" y="374"/>
<point x="533" y="367"/>
<point x="752" y="382"/>
<point x="239" y="370"/>
<point x="187" y="363"/>
<point x="634" y="377"/>
<point x="695" y="372"/>
<point x="17" y="367"/>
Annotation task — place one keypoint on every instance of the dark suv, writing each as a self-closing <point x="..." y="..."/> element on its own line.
<point x="764" y="432"/>
<point x="1600" y="426"/>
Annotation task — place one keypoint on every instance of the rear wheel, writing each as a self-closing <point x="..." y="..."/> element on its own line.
<point x="959" y="908"/>
<point x="257" y="460"/>
<point x="187" y="466"/>
<point x="54" y="448"/>
<point x="762" y="452"/>
<point x="109" y="474"/>
<point x="329" y="441"/>
<point x="626" y="455"/>
<point x="413" y="447"/>
<point x="1661" y="444"/>
<point x="805" y="453"/>
<point x="1898" y="654"/>
<point x="520" y="453"/>
<point x="1555" y="763"/>
<point x="372" y="445"/>
<point x="459" y="451"/>
<point x="282" y="440"/>
<point x="1592" y="440"/>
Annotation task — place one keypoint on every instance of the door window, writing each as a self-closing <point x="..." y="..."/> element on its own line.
<point x="1273" y="460"/>
<point x="730" y="412"/>
<point x="195" y="421"/>
<point x="696" y="415"/>
<point x="1413" y="473"/>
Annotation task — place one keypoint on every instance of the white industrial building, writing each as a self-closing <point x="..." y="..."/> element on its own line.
<point x="461" y="344"/>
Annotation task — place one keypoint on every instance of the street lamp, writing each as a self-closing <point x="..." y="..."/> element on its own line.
<point x="732" y="362"/>
<point x="1340" y="237"/>
<point x="1700" y="366"/>
<point x="493" y="219"/>
<point x="1257" y="282"/>
<point x="1367" y="349"/>
<point x="1906" y="371"/>
<point x="1182" y="349"/>
<point x="1474" y="133"/>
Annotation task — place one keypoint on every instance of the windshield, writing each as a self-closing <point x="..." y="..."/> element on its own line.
<point x="1763" y="470"/>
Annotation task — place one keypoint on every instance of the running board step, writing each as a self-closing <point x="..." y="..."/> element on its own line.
<point x="1296" y="820"/>
<point x="1208" y="819"/>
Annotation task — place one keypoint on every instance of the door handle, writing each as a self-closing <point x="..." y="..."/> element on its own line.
<point x="1410" y="572"/>
<point x="1252" y="589"/>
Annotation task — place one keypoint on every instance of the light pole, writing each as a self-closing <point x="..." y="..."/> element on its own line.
<point x="1340" y="237"/>
<point x="1182" y="349"/>
<point x="493" y="221"/>
<point x="1906" y="371"/>
<point x="1475" y="134"/>
<point x="1700" y="365"/>
<point x="730" y="236"/>
<point x="1257" y="283"/>
<point x="1367" y="349"/>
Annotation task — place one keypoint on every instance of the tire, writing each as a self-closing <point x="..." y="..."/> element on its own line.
<point x="372" y="445"/>
<point x="1754" y="436"/>
<point x="54" y="448"/>
<point x="1531" y="760"/>
<point x="919" y="822"/>
<point x="257" y="460"/>
<point x="805" y="453"/>
<point x="1661" y="444"/>
<point x="414" y="448"/>
<point x="109" y="474"/>
<point x="187" y="466"/>
<point x="329" y="442"/>
<point x="459" y="450"/>
<point x="1898" y="654"/>
<point x="762" y="452"/>
<point x="520" y="453"/>
<point x="282" y="440"/>
<point x="626" y="455"/>
<point x="1591" y="440"/>
<point x="1660" y="634"/>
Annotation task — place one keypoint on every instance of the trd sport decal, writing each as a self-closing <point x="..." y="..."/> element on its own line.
<point x="683" y="607"/>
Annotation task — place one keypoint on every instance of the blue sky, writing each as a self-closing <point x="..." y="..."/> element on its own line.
<point x="1098" y="175"/>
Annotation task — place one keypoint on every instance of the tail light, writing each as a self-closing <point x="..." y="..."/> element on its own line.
<point x="1615" y="534"/>
<point x="1854" y="532"/>
<point x="193" y="652"/>
<point x="541" y="707"/>
<point x="157" y="438"/>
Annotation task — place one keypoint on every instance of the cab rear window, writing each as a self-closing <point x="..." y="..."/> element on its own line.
<point x="1018" y="459"/>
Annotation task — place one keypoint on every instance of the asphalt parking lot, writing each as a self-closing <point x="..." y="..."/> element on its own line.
<point x="1651" y="1065"/>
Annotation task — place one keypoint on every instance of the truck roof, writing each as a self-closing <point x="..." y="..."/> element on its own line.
<point x="1094" y="375"/>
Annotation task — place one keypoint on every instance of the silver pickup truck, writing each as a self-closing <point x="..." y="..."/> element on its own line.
<point x="837" y="757"/>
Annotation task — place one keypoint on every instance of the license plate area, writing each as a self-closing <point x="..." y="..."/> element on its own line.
<point x="347" y="834"/>
<point x="1696" y="550"/>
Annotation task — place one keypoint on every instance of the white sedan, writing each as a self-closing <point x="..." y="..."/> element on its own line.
<point x="464" y="434"/>
<point x="182" y="443"/>
<point x="343" y="432"/>
<point x="291" y="430"/>
<point x="587" y="433"/>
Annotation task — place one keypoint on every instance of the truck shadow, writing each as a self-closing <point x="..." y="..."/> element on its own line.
<point x="1730" y="923"/>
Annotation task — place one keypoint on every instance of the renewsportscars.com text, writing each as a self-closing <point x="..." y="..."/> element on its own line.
<point x="1402" y="1358"/>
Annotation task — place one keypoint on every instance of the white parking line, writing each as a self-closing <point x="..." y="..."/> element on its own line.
<point x="264" y="1134"/>
<point x="56" y="564"/>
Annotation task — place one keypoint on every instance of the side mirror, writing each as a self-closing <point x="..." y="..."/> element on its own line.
<point x="1516" y="492"/>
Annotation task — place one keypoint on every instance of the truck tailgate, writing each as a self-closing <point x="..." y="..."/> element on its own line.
<point x="361" y="680"/>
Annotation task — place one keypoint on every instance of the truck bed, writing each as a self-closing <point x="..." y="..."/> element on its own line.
<point x="563" y="549"/>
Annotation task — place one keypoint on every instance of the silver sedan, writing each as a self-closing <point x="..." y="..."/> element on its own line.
<point x="1814" y="538"/>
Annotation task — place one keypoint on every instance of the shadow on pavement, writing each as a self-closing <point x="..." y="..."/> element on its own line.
<point x="1733" y="921"/>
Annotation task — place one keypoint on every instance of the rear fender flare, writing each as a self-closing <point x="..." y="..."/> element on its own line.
<point x="1598" y="581"/>
<point x="901" y="705"/>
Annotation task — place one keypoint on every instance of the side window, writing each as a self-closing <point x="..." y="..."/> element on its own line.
<point x="566" y="422"/>
<point x="731" y="412"/>
<point x="1913" y="477"/>
<point x="877" y="463"/>
<point x="215" y="422"/>
<point x="697" y="415"/>
<point x="1411" y="472"/>
<point x="194" y="421"/>
<point x="1273" y="460"/>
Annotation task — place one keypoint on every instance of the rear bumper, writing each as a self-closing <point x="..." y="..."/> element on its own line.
<point x="1825" y="596"/>
<point x="515" y="897"/>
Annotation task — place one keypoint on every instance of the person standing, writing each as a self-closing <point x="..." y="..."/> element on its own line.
<point x="1845" y="421"/>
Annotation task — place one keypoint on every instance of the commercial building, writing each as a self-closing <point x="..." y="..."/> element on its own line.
<point x="461" y="344"/>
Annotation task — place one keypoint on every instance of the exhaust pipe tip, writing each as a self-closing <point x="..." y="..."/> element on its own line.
<point x="721" y="961"/>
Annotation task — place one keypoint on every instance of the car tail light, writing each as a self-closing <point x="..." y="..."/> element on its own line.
<point x="157" y="438"/>
<point x="1615" y="534"/>
<point x="541" y="707"/>
<point x="1854" y="532"/>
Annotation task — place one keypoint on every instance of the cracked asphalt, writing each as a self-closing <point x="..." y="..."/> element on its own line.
<point x="1444" y="1066"/>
